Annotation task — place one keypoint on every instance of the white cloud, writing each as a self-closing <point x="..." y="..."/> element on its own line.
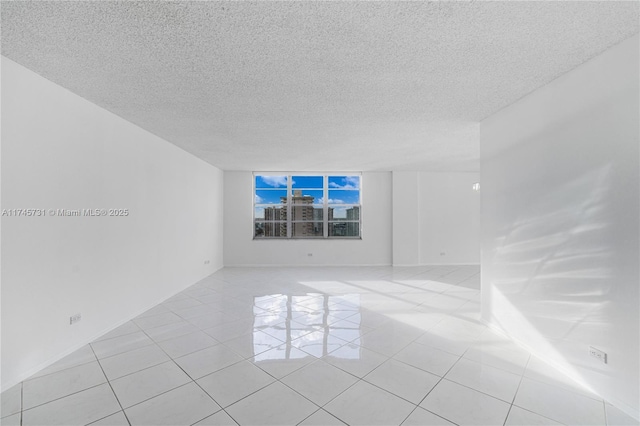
<point x="349" y="182"/>
<point x="259" y="199"/>
<point x="331" y="201"/>
<point x="275" y="181"/>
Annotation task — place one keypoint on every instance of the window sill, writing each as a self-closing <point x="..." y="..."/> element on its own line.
<point x="305" y="239"/>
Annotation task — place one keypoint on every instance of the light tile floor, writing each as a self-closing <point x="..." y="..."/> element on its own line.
<point x="308" y="346"/>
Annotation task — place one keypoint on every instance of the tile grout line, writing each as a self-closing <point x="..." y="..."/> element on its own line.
<point x="123" y="352"/>
<point x="21" y="401"/>
<point x="103" y="339"/>
<point x="112" y="390"/>
<point x="242" y="297"/>
<point x="235" y="402"/>
<point x="325" y="404"/>
<point x="375" y="368"/>
<point x="319" y="409"/>
<point x="142" y="369"/>
<point x="64" y="396"/>
<point x="362" y="379"/>
<point x="398" y="360"/>
<point x="517" y="389"/>
<point x="498" y="368"/>
<point x="537" y="381"/>
<point x="435" y="386"/>
<point x="58" y="371"/>
<point x="566" y="389"/>
<point x="193" y="381"/>
<point x="336" y="396"/>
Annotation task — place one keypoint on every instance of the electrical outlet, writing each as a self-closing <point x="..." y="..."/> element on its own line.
<point x="74" y="319"/>
<point x="597" y="353"/>
<point x="309" y="254"/>
<point x="206" y="262"/>
<point x="442" y="253"/>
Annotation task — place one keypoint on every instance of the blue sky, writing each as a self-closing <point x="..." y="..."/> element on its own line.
<point x="306" y="182"/>
<point x="310" y="182"/>
<point x="266" y="196"/>
<point x="344" y="197"/>
<point x="271" y="182"/>
<point x="342" y="189"/>
<point x="344" y="182"/>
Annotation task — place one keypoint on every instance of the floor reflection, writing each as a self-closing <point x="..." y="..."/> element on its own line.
<point x="253" y="346"/>
<point x="316" y="324"/>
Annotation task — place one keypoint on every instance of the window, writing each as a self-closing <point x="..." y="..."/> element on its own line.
<point x="307" y="205"/>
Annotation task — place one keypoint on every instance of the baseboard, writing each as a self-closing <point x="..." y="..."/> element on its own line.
<point x="417" y="265"/>
<point x="293" y="265"/>
<point x="306" y="265"/>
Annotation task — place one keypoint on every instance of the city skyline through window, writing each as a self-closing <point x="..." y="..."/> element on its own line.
<point x="307" y="206"/>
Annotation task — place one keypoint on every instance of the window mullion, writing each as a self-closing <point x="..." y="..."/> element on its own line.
<point x="325" y="206"/>
<point x="289" y="209"/>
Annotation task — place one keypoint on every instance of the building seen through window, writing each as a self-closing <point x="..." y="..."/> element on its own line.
<point x="291" y="206"/>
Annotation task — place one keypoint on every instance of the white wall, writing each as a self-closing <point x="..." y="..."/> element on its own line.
<point x="60" y="151"/>
<point x="560" y="222"/>
<point x="406" y="219"/>
<point x="449" y="218"/>
<point x="435" y="213"/>
<point x="373" y="249"/>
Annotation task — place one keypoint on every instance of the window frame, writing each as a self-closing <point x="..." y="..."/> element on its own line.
<point x="290" y="221"/>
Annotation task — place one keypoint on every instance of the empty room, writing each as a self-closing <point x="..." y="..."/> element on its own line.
<point x="320" y="213"/>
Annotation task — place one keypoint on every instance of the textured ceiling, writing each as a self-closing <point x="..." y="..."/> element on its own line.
<point x="312" y="85"/>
